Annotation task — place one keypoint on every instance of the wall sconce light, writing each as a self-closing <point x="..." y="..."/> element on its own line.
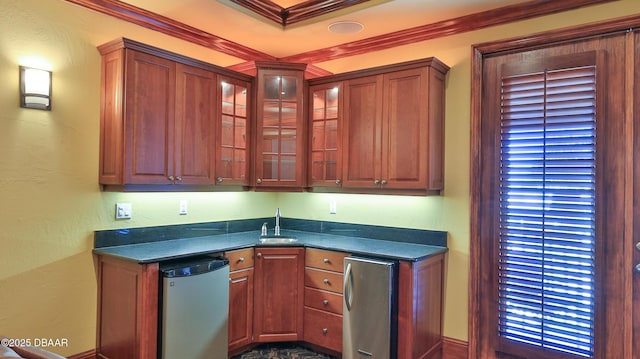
<point x="35" y="88"/>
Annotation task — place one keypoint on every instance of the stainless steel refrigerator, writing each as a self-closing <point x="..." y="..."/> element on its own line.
<point x="369" y="321"/>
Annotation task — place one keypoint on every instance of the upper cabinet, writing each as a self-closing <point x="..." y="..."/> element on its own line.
<point x="325" y="117"/>
<point x="162" y="121"/>
<point x="280" y="125"/>
<point x="169" y="122"/>
<point x="232" y="158"/>
<point x="390" y="130"/>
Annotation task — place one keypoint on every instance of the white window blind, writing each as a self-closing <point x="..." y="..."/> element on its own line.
<point x="547" y="204"/>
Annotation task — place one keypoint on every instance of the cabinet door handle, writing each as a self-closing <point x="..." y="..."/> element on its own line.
<point x="326" y="260"/>
<point x="259" y="180"/>
<point x="170" y="178"/>
<point x="259" y="255"/>
<point x="638" y="246"/>
<point x="338" y="182"/>
<point x="638" y="267"/>
<point x="384" y="182"/>
<point x="241" y="259"/>
<point x="178" y="179"/>
<point x="219" y="179"/>
<point x="376" y="182"/>
<point x="325" y="331"/>
<point x="325" y="281"/>
<point x="325" y="302"/>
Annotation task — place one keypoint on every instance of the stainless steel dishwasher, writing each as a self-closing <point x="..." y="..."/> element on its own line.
<point x="194" y="309"/>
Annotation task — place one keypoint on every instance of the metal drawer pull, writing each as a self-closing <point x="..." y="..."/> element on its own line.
<point x="325" y="302"/>
<point x="638" y="267"/>
<point x="325" y="281"/>
<point x="241" y="259"/>
<point x="364" y="353"/>
<point x="259" y="255"/>
<point x="325" y="331"/>
<point x="326" y="260"/>
<point x="638" y="246"/>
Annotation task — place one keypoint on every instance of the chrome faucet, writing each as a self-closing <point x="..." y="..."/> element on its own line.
<point x="277" y="230"/>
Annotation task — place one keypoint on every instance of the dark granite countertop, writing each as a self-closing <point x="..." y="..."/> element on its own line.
<point x="179" y="248"/>
<point x="357" y="241"/>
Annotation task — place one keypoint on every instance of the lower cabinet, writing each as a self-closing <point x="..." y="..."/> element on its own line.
<point x="278" y="283"/>
<point x="277" y="294"/>
<point x="240" y="298"/>
<point x="323" y="299"/>
<point x="420" y="305"/>
<point x="127" y="309"/>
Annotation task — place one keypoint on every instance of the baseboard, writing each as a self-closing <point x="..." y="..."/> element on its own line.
<point x="451" y="349"/>
<point x="454" y="349"/>
<point x="89" y="354"/>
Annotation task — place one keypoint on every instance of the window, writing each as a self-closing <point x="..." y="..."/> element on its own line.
<point x="546" y="264"/>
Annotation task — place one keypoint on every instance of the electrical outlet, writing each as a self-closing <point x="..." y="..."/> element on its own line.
<point x="123" y="210"/>
<point x="332" y="206"/>
<point x="183" y="207"/>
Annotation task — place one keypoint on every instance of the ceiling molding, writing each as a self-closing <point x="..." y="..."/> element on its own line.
<point x="300" y="12"/>
<point x="498" y="16"/>
<point x="165" y="25"/>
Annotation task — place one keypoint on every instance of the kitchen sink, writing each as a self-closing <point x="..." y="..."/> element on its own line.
<point x="277" y="239"/>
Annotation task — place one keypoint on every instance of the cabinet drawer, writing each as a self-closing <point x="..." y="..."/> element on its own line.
<point x="328" y="260"/>
<point x="323" y="279"/>
<point x="240" y="259"/>
<point x="323" y="300"/>
<point x="323" y="329"/>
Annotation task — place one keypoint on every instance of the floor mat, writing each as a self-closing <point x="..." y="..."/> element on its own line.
<point x="281" y="351"/>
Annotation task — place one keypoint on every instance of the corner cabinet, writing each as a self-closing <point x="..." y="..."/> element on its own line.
<point x="280" y="126"/>
<point x="278" y="293"/>
<point x="161" y="119"/>
<point x="390" y="125"/>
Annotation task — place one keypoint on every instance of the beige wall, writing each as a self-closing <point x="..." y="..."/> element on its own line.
<point x="50" y="202"/>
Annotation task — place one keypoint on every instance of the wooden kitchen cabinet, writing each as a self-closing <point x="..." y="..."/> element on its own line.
<point x="232" y="135"/>
<point x="158" y="128"/>
<point x="280" y="126"/>
<point x="325" y="119"/>
<point x="323" y="299"/>
<point x="394" y="129"/>
<point x="390" y="125"/>
<point x="420" y="308"/>
<point x="278" y="293"/>
<point x="127" y="309"/>
<point x="240" y="298"/>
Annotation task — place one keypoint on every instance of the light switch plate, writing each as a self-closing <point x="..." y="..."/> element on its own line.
<point x="332" y="206"/>
<point x="183" y="207"/>
<point x="123" y="210"/>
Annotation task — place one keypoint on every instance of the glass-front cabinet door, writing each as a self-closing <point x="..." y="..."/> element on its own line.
<point x="280" y="125"/>
<point x="232" y="162"/>
<point x="324" y="122"/>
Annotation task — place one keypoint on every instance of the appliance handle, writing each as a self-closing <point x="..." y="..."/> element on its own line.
<point x="348" y="287"/>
